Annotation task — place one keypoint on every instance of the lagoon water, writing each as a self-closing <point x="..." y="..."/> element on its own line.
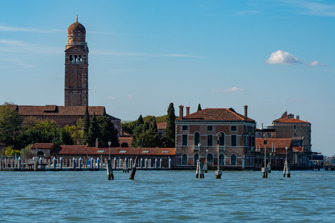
<point x="167" y="196"/>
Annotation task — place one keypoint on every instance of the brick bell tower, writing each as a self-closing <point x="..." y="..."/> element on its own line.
<point x="76" y="66"/>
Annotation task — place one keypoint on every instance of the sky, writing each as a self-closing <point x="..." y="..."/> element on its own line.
<point x="272" y="55"/>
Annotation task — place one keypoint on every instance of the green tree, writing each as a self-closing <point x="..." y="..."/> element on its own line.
<point x="25" y="152"/>
<point x="169" y="134"/>
<point x="86" y="124"/>
<point x="93" y="132"/>
<point x="140" y="120"/>
<point x="65" y="137"/>
<point x="108" y="132"/>
<point x="199" y="108"/>
<point x="10" y="124"/>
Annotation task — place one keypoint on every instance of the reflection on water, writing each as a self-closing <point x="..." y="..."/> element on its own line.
<point x="167" y="196"/>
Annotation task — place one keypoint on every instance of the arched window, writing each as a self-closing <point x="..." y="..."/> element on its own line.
<point x="196" y="138"/>
<point x="40" y="153"/>
<point x="196" y="157"/>
<point x="221" y="139"/>
<point x="210" y="157"/>
<point x="184" y="160"/>
<point x="233" y="160"/>
<point x="221" y="159"/>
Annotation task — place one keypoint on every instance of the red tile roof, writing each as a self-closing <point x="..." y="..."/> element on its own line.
<point x="216" y="114"/>
<point x="280" y="143"/>
<point x="83" y="150"/>
<point x="44" y="146"/>
<point x="289" y="120"/>
<point x="31" y="110"/>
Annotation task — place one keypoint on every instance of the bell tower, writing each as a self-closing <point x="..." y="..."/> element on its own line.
<point x="76" y="66"/>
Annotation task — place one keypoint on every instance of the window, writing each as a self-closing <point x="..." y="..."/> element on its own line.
<point x="233" y="128"/>
<point x="210" y="128"/>
<point x="233" y="140"/>
<point x="184" y="140"/>
<point x="233" y="160"/>
<point x="185" y="127"/>
<point x="209" y="140"/>
<point x="184" y="160"/>
<point x="295" y="127"/>
<point x="196" y="138"/>
<point x="221" y="139"/>
<point x="221" y="159"/>
<point x="210" y="157"/>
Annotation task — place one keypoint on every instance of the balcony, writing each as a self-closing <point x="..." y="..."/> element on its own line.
<point x="196" y="148"/>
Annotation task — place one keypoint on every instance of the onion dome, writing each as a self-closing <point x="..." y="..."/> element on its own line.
<point x="76" y="29"/>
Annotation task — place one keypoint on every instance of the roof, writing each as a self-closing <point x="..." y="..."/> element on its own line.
<point x="278" y="142"/>
<point x="289" y="120"/>
<point x="32" y="110"/>
<point x="49" y="146"/>
<point x="75" y="28"/>
<point x="83" y="150"/>
<point x="161" y="125"/>
<point x="216" y="114"/>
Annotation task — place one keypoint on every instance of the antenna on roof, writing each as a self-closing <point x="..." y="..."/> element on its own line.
<point x="77" y="18"/>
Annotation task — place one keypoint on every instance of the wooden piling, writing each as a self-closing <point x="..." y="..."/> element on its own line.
<point x="199" y="173"/>
<point x="110" y="175"/>
<point x="133" y="170"/>
<point x="35" y="165"/>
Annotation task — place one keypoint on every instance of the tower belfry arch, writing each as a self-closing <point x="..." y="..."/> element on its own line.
<point x="76" y="66"/>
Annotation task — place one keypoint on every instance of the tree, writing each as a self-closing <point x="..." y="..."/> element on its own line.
<point x="199" y="108"/>
<point x="140" y="120"/>
<point x="93" y="132"/>
<point x="86" y="124"/>
<point x="169" y="133"/>
<point x="65" y="137"/>
<point x="10" y="124"/>
<point x="108" y="132"/>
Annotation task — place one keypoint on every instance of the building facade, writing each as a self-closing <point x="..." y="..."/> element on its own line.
<point x="215" y="135"/>
<point x="76" y="66"/>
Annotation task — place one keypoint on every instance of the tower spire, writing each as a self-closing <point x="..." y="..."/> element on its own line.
<point x="77" y="18"/>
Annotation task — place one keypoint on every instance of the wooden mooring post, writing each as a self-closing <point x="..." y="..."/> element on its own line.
<point x="199" y="173"/>
<point x="110" y="175"/>
<point x="133" y="170"/>
<point x="286" y="170"/>
<point x="265" y="170"/>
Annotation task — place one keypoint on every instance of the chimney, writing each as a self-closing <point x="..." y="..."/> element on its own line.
<point x="245" y="111"/>
<point x="181" y="111"/>
<point x="187" y="110"/>
<point x="298" y="117"/>
<point x="96" y="143"/>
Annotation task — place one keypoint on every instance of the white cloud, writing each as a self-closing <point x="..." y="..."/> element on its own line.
<point x="247" y="12"/>
<point x="12" y="42"/>
<point x="315" y="63"/>
<point x="282" y="57"/>
<point x="16" y="46"/>
<point x="26" y="29"/>
<point x="232" y="89"/>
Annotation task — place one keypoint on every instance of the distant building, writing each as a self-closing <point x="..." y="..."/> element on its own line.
<point x="291" y="128"/>
<point x="204" y="133"/>
<point x="63" y="115"/>
<point x="161" y="126"/>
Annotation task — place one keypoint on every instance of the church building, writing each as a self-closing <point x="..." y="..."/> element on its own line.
<point x="76" y="86"/>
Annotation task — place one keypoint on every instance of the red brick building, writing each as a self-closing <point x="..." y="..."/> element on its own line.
<point x="216" y="134"/>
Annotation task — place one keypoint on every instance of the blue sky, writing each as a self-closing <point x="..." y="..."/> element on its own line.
<point x="273" y="55"/>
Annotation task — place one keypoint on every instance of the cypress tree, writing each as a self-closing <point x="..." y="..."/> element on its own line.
<point x="108" y="133"/>
<point x="199" y="108"/>
<point x="86" y="124"/>
<point x="170" y="126"/>
<point x="139" y="120"/>
<point x="93" y="132"/>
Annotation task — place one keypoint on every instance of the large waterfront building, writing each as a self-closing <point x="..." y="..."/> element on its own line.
<point x="215" y="134"/>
